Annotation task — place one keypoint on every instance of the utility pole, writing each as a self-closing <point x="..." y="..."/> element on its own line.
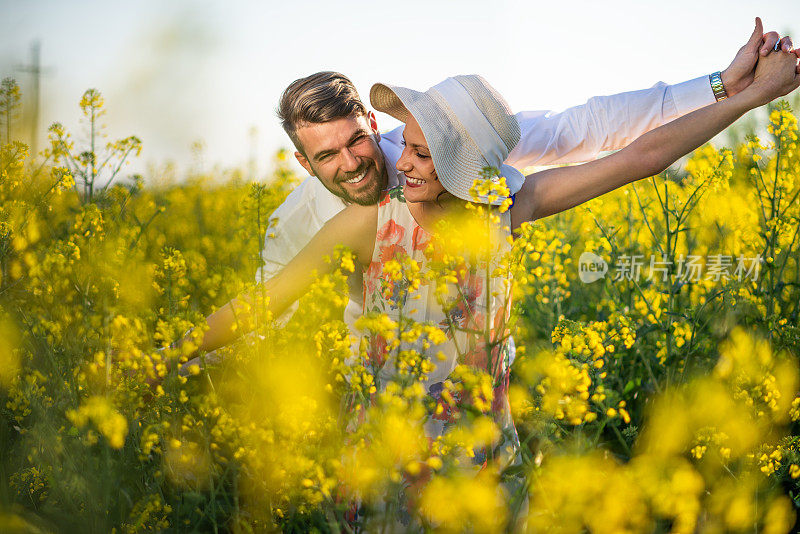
<point x="36" y="70"/>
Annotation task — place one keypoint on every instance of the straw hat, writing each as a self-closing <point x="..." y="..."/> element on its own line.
<point x="467" y="124"/>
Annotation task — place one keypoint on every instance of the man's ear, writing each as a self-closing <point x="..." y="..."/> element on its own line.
<point x="301" y="159"/>
<point x="373" y="124"/>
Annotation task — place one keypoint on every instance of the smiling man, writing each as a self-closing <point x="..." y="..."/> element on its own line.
<point x="335" y="136"/>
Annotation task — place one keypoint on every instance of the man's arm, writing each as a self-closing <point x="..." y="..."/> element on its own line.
<point x="611" y="122"/>
<point x="603" y="123"/>
<point x="559" y="189"/>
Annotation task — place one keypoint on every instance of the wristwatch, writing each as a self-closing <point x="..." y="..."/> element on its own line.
<point x="717" y="87"/>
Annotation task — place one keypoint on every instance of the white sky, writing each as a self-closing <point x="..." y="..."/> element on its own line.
<point x="180" y="71"/>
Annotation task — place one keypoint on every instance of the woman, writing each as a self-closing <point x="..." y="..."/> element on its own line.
<point x="453" y="131"/>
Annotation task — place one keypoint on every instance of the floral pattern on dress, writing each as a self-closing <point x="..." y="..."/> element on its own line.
<point x="398" y="238"/>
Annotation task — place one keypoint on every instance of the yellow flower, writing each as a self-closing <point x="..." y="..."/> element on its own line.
<point x="99" y="411"/>
<point x="794" y="470"/>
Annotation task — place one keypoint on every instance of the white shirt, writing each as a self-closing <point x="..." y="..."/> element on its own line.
<point x="577" y="134"/>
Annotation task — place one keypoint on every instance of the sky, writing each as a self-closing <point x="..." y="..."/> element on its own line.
<point x="182" y="72"/>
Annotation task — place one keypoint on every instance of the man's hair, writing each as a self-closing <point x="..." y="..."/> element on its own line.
<point x="321" y="97"/>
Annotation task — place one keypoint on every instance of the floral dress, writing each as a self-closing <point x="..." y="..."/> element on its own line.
<point x="461" y="313"/>
<point x="460" y="309"/>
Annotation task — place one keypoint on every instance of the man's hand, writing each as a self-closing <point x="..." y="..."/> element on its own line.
<point x="741" y="71"/>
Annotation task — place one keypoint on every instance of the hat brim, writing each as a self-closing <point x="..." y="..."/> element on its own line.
<point x="384" y="98"/>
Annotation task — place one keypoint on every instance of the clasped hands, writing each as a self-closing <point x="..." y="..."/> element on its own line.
<point x="741" y="72"/>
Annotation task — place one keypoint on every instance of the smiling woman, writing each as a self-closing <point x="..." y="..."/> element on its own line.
<point x="417" y="166"/>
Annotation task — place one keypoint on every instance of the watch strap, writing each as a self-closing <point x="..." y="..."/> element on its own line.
<point x="717" y="87"/>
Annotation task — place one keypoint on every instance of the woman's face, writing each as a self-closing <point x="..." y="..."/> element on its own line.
<point x="416" y="163"/>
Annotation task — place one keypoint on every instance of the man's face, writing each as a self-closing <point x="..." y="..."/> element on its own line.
<point x="345" y="156"/>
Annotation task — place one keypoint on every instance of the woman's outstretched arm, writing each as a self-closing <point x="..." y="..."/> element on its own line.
<point x="555" y="190"/>
<point x="354" y="227"/>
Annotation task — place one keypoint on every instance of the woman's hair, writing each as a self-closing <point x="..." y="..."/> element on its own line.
<point x="444" y="196"/>
<point x="321" y="97"/>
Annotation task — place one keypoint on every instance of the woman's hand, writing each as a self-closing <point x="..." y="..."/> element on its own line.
<point x="776" y="75"/>
<point x="739" y="74"/>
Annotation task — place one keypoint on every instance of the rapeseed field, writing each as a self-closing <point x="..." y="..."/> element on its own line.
<point x="655" y="386"/>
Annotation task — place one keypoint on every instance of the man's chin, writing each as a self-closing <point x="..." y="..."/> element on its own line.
<point x="371" y="193"/>
<point x="366" y="198"/>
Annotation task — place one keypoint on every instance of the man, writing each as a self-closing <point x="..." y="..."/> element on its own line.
<point x="349" y="161"/>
